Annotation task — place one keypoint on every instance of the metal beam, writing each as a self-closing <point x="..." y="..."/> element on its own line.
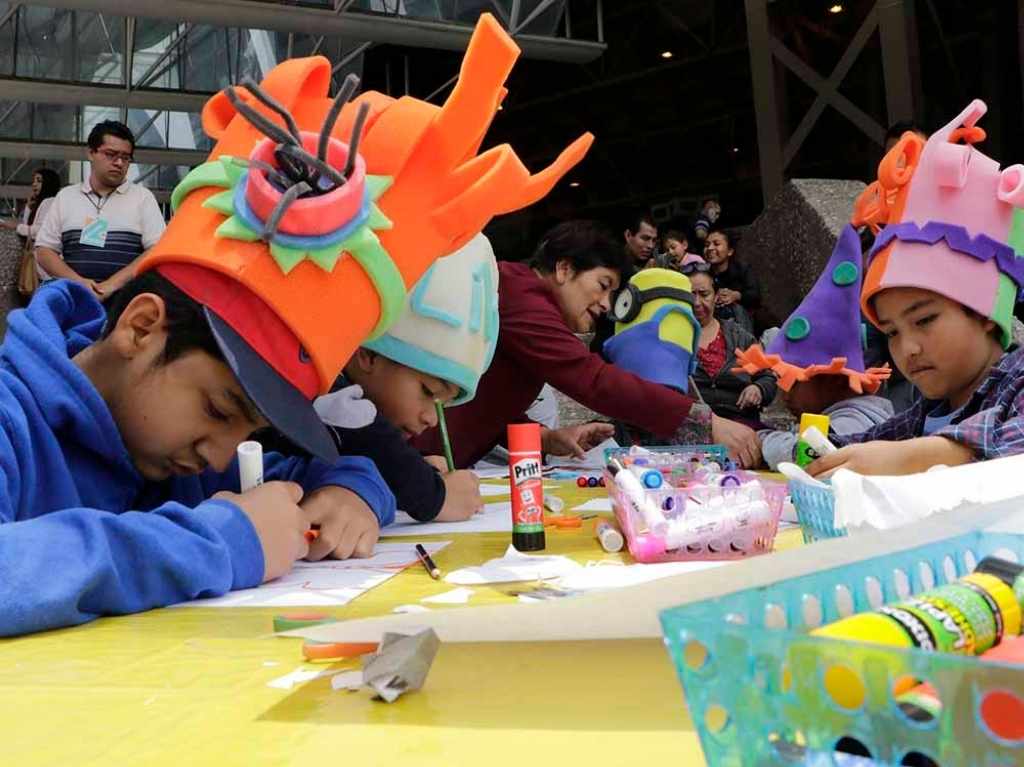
<point x="352" y="25"/>
<point x="47" y="92"/>
<point x="762" y="70"/>
<point x="37" y="150"/>
<point x="897" y="31"/>
<point x="22" y="192"/>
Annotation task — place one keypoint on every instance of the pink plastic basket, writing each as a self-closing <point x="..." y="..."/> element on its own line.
<point x="711" y="522"/>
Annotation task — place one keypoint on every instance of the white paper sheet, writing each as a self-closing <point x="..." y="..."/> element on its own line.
<point x="495" y="518"/>
<point x="888" y="502"/>
<point x="457" y="596"/>
<point x="514" y="566"/>
<point x="610" y="575"/>
<point x="347" y="680"/>
<point x="595" y="504"/>
<point x="489" y="489"/>
<point x="594" y="458"/>
<point x="298" y="676"/>
<point x="330" y="582"/>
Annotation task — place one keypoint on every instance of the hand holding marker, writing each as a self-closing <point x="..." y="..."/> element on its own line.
<point x="250" y="473"/>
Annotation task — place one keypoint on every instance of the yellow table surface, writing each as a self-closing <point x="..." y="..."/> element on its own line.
<point x="189" y="687"/>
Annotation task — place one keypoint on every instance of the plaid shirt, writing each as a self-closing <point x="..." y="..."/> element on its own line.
<point x="991" y="423"/>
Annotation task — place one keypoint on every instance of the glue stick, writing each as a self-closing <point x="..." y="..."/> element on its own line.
<point x="805" y="453"/>
<point x="526" y="485"/>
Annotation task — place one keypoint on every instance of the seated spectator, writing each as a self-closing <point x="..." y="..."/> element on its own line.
<point x="710" y="210"/>
<point x="677" y="247"/>
<point x="734" y="395"/>
<point x="641" y="237"/>
<point x="737" y="294"/>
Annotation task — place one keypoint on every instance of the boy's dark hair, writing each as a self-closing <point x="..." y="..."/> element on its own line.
<point x="897" y="129"/>
<point x="585" y="245"/>
<point x="110" y="128"/>
<point x="187" y="328"/>
<point x="636" y="217"/>
<point x="676" y="234"/>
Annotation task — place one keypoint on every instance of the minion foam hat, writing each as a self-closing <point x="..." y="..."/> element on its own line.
<point x="824" y="336"/>
<point x="655" y="328"/>
<point x="449" y="328"/>
<point x="313" y="216"/>
<point x="951" y="222"/>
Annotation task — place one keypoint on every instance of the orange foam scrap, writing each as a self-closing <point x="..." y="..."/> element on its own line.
<point x="754" y="360"/>
<point x="442" y="193"/>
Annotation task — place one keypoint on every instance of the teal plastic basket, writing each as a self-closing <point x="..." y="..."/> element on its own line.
<point x="815" y="511"/>
<point x="753" y="676"/>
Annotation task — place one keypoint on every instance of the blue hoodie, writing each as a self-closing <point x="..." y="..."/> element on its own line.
<point x="82" y="533"/>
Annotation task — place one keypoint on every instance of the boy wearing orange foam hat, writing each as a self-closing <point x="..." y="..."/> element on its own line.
<point x="291" y="246"/>
<point x="942" y="279"/>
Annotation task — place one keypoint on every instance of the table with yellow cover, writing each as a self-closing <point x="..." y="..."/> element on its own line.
<point x="189" y="687"/>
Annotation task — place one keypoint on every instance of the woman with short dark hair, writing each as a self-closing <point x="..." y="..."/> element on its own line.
<point x="567" y="285"/>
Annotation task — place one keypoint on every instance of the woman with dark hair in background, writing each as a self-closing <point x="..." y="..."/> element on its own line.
<point x="570" y="282"/>
<point x="45" y="185"/>
<point x="737" y="294"/>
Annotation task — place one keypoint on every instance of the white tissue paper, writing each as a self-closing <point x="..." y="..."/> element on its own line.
<point x="887" y="502"/>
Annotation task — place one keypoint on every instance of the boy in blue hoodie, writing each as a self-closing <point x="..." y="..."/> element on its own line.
<point x="118" y="433"/>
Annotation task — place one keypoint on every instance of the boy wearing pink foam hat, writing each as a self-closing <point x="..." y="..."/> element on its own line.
<point x="942" y="279"/>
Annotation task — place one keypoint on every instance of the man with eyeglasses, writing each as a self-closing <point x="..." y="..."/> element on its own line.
<point x="96" y="230"/>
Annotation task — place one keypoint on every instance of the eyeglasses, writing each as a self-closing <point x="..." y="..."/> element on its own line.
<point x="113" y="156"/>
<point x="695" y="267"/>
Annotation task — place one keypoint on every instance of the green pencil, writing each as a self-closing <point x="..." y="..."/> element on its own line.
<point x="444" y="435"/>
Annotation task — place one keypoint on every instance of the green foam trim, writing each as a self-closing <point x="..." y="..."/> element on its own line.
<point x="222" y="202"/>
<point x="1002" y="312"/>
<point x="286" y="258"/>
<point x="377" y="185"/>
<point x="798" y="328"/>
<point x="376" y="262"/>
<point x="845" y="273"/>
<point x="207" y="174"/>
<point x="234" y="228"/>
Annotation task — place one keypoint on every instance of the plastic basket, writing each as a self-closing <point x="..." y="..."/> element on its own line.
<point x="727" y="537"/>
<point x="815" y="511"/>
<point x="754" y="684"/>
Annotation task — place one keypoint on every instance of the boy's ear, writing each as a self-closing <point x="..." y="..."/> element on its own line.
<point x="365" y="360"/>
<point x="141" y="324"/>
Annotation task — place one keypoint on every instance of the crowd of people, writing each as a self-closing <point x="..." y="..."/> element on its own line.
<point x="325" y="298"/>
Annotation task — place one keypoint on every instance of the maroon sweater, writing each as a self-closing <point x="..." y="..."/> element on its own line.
<point x="535" y="347"/>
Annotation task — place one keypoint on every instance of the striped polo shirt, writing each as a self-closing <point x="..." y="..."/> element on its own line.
<point x="96" y="236"/>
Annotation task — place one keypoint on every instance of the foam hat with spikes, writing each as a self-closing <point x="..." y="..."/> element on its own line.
<point x="824" y="336"/>
<point x="312" y="218"/>
<point x="655" y="328"/>
<point x="947" y="220"/>
<point x="449" y="328"/>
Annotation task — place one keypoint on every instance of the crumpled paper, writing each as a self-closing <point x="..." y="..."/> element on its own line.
<point x="886" y="502"/>
<point x="400" y="664"/>
<point x="513" y="567"/>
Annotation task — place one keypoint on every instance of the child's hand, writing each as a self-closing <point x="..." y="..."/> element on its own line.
<point x="439" y="462"/>
<point x="892" y="458"/>
<point x="280" y="524"/>
<point x="462" y="497"/>
<point x="749" y="397"/>
<point x="348" y="526"/>
<point x="740" y="440"/>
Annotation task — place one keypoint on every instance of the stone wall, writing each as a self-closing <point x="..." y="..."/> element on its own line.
<point x="10" y="259"/>
<point x="788" y="244"/>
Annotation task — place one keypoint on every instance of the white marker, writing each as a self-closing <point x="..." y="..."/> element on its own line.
<point x="817" y="441"/>
<point x="610" y="538"/>
<point x="250" y="465"/>
<point x="636" y="496"/>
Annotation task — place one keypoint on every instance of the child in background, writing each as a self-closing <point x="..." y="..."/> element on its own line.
<point x="118" y="430"/>
<point x="435" y="352"/>
<point x="941" y="282"/>
<point x="655" y="336"/>
<point x="677" y="246"/>
<point x="819" y="359"/>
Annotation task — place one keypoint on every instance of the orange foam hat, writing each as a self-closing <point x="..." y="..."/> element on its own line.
<point x="334" y="266"/>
